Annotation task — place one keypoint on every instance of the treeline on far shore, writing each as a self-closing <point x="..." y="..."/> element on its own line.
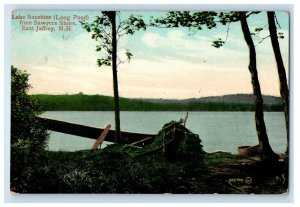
<point x="82" y="102"/>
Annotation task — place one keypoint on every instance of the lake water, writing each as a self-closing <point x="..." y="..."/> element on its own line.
<point x="218" y="130"/>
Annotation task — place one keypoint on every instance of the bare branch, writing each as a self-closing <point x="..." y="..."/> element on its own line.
<point x="159" y="26"/>
<point x="261" y="39"/>
<point x="255" y="35"/>
<point x="254" y="12"/>
<point x="119" y="16"/>
<point x="120" y="26"/>
<point x="119" y="35"/>
<point x="227" y="32"/>
<point x="120" y="61"/>
<point x="108" y="36"/>
<point x="277" y="22"/>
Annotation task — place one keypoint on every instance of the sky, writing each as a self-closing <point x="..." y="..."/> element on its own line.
<point x="167" y="63"/>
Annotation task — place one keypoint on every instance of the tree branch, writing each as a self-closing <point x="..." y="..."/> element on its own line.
<point x="261" y="39"/>
<point x="277" y="22"/>
<point x="227" y="32"/>
<point x="120" y="26"/>
<point x="108" y="36"/>
<point x="254" y="12"/>
<point x="120" y="61"/>
<point x="159" y="26"/>
<point x="119" y="35"/>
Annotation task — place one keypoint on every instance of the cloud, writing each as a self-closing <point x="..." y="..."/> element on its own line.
<point x="35" y="47"/>
<point x="153" y="40"/>
<point x="197" y="49"/>
<point x="171" y="65"/>
<point x="174" y="39"/>
<point x="43" y="48"/>
<point x="177" y="45"/>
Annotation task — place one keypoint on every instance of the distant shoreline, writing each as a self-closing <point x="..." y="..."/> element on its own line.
<point x="82" y="102"/>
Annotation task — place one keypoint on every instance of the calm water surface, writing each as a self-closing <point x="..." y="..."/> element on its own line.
<point x="218" y="130"/>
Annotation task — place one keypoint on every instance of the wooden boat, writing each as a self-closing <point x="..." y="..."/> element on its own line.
<point x="132" y="138"/>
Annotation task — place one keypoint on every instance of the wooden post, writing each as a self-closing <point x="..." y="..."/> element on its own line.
<point x="102" y="136"/>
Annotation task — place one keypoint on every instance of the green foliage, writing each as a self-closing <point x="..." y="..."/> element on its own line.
<point x="118" y="168"/>
<point x="218" y="157"/>
<point x="192" y="20"/>
<point x="104" y="61"/>
<point x="28" y="137"/>
<point x="128" y="55"/>
<point x="228" y="17"/>
<point x="107" y="171"/>
<point x="218" y="43"/>
<point x="24" y="109"/>
<point x="113" y="170"/>
<point x="102" y="34"/>
<point x="173" y="141"/>
<point x="280" y="35"/>
<point x="134" y="23"/>
<point x="81" y="102"/>
<point x="177" y="142"/>
<point x="258" y="29"/>
<point x="195" y="21"/>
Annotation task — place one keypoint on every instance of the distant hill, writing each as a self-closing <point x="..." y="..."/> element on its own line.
<point x="82" y="102"/>
<point x="231" y="99"/>
<point x="238" y="99"/>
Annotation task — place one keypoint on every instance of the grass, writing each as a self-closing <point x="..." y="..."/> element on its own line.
<point x="115" y="170"/>
<point x="219" y="157"/>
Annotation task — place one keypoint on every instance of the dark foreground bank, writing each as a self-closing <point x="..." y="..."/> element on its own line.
<point x="112" y="170"/>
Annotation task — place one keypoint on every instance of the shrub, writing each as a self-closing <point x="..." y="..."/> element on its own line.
<point x="28" y="137"/>
<point x="24" y="109"/>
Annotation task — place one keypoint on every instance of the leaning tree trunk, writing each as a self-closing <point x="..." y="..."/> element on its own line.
<point x="115" y="77"/>
<point x="267" y="152"/>
<point x="284" y="90"/>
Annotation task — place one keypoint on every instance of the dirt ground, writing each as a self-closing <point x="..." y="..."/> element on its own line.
<point x="248" y="175"/>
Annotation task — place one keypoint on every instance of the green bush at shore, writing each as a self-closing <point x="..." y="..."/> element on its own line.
<point x="28" y="137"/>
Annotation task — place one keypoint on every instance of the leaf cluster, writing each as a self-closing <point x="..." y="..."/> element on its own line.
<point x="101" y="32"/>
<point x="218" y="43"/>
<point x="257" y="31"/>
<point x="228" y="17"/>
<point x="280" y="35"/>
<point x="101" y="29"/>
<point x="192" y="20"/>
<point x="195" y="21"/>
<point x="133" y="24"/>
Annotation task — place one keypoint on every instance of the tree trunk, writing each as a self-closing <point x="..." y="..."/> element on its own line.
<point x="115" y="77"/>
<point x="284" y="91"/>
<point x="267" y="152"/>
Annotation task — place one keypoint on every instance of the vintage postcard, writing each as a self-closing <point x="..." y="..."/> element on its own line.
<point x="135" y="102"/>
